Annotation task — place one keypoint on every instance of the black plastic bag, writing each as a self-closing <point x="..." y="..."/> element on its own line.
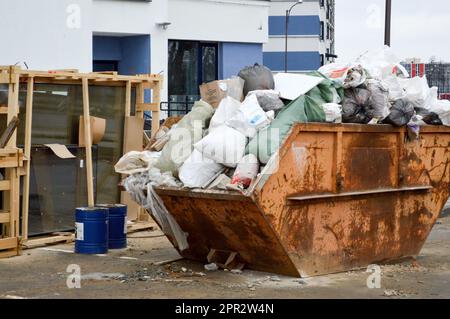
<point x="257" y="77"/>
<point x="355" y="105"/>
<point x="401" y="113"/>
<point x="428" y="117"/>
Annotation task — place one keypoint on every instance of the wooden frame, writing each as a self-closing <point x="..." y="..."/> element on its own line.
<point x="18" y="161"/>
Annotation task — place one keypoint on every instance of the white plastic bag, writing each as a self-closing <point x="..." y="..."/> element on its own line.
<point x="417" y="91"/>
<point x="227" y="108"/>
<point x="136" y="162"/>
<point x="246" y="171"/>
<point x="442" y="109"/>
<point x="250" y="117"/>
<point x="336" y="71"/>
<point x="199" y="171"/>
<point x="381" y="63"/>
<point x="333" y="112"/>
<point x="224" y="145"/>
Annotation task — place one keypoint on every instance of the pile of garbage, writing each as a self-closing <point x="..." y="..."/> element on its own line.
<point x="379" y="90"/>
<point x="230" y="135"/>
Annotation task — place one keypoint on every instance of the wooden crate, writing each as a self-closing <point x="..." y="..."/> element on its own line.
<point x="17" y="161"/>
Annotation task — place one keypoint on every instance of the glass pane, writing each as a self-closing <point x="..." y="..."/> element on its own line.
<point x="209" y="58"/>
<point x="56" y="112"/>
<point x="183" y="68"/>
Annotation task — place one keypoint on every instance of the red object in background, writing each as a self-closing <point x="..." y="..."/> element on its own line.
<point x="444" y="96"/>
<point x="417" y="69"/>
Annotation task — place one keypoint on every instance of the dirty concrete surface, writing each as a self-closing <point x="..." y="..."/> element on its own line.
<point x="134" y="273"/>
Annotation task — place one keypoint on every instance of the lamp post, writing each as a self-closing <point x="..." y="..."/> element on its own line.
<point x="387" y="28"/>
<point x="288" y="13"/>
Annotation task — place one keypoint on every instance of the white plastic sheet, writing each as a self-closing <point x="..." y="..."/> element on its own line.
<point x="291" y="86"/>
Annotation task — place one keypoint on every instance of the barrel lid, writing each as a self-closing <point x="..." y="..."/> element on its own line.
<point x="111" y="205"/>
<point x="91" y="209"/>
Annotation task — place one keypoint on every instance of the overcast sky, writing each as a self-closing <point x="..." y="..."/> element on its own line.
<point x="420" y="28"/>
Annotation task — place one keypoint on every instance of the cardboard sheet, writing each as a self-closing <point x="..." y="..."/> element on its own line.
<point x="291" y="86"/>
<point x="60" y="150"/>
<point x="98" y="127"/>
<point x="213" y="92"/>
<point x="134" y="134"/>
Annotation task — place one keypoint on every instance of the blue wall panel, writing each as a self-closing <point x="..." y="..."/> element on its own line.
<point x="235" y="56"/>
<point x="135" y="55"/>
<point x="297" y="61"/>
<point x="107" y="48"/>
<point x="298" y="25"/>
<point x="132" y="52"/>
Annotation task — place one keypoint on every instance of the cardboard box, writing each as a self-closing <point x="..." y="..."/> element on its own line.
<point x="98" y="127"/>
<point x="213" y="92"/>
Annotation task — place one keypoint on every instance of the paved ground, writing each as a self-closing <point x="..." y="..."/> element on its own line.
<point x="132" y="273"/>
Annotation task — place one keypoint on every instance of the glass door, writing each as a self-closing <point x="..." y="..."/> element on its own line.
<point x="191" y="63"/>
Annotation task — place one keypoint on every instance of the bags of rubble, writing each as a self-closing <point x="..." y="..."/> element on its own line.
<point x="199" y="171"/>
<point x="257" y="77"/>
<point x="246" y="171"/>
<point x="269" y="100"/>
<point x="249" y="117"/>
<point x="224" y="145"/>
<point x="226" y="110"/>
<point x="187" y="132"/>
<point x="333" y="112"/>
<point x="136" y="162"/>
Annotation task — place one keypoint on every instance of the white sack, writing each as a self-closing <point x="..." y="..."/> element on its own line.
<point x="333" y="112"/>
<point x="250" y="117"/>
<point x="224" y="145"/>
<point x="136" y="162"/>
<point x="227" y="108"/>
<point x="198" y="171"/>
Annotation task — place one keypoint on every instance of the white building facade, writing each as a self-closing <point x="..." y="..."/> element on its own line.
<point x="188" y="41"/>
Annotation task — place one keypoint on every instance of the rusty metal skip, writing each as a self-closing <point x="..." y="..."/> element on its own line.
<point x="334" y="198"/>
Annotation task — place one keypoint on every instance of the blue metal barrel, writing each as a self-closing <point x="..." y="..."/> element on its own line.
<point x="91" y="225"/>
<point x="117" y="225"/>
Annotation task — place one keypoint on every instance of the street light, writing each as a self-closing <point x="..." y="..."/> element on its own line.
<point x="288" y="13"/>
<point x="387" y="28"/>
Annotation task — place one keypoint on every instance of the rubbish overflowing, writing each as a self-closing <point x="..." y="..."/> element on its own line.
<point x="230" y="135"/>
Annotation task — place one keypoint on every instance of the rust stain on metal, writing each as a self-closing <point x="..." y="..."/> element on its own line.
<point x="396" y="190"/>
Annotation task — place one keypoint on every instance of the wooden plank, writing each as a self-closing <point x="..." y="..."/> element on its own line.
<point x="156" y="110"/>
<point x="51" y="240"/>
<point x="13" y="107"/>
<point x="27" y="153"/>
<point x="14" y="200"/>
<point x="88" y="142"/>
<point x="140" y="99"/>
<point x="128" y="99"/>
<point x="142" y="107"/>
<point x="140" y="226"/>
<point x="5" y="185"/>
<point x="9" y="243"/>
<point x="4" y="217"/>
<point x="9" y="253"/>
<point x="3" y="109"/>
<point x="8" y="133"/>
<point x="11" y="160"/>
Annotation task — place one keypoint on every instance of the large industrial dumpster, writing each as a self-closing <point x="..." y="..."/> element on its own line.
<point x="334" y="198"/>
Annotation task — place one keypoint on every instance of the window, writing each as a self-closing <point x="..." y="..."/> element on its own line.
<point x="191" y="63"/>
<point x="322" y="30"/>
